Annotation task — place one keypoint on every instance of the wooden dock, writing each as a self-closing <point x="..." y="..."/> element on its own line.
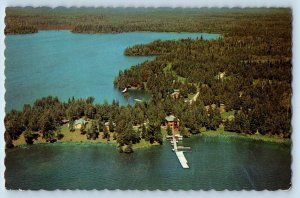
<point x="179" y="154"/>
<point x="182" y="159"/>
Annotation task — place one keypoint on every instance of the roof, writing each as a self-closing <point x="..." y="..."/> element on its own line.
<point x="175" y="93"/>
<point x="170" y="118"/>
<point x="79" y="121"/>
<point x="107" y="124"/>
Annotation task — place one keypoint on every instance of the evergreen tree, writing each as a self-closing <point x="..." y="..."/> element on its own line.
<point x="169" y="130"/>
<point x="144" y="133"/>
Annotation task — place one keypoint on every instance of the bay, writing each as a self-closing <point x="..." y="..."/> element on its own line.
<point x="65" y="64"/>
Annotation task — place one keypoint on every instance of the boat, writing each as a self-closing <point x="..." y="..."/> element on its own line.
<point x="138" y="100"/>
<point x="124" y="90"/>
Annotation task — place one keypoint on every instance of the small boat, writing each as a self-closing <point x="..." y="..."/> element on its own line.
<point x="138" y="100"/>
<point x="124" y="90"/>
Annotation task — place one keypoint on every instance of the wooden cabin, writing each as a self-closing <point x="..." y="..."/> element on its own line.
<point x="79" y="123"/>
<point x="175" y="94"/>
<point x="172" y="121"/>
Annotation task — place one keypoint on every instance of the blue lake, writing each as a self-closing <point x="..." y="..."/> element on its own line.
<point x="64" y="64"/>
<point x="215" y="163"/>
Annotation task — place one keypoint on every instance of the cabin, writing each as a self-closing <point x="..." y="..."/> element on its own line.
<point x="65" y="121"/>
<point x="212" y="107"/>
<point x="175" y="94"/>
<point x="222" y="108"/>
<point x="106" y="124"/>
<point x="172" y="121"/>
<point x="79" y="123"/>
<point x="221" y="75"/>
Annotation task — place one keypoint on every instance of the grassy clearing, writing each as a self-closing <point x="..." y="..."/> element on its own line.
<point x="76" y="137"/>
<point x="143" y="144"/>
<point x="68" y="137"/>
<point x="146" y="144"/>
<point x="256" y="137"/>
<point x="191" y="96"/>
<point x="226" y="114"/>
<point x="168" y="68"/>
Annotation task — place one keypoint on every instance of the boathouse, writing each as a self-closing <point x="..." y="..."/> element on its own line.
<point x="172" y="121"/>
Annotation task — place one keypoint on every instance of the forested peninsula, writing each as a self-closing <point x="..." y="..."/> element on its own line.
<point x="239" y="83"/>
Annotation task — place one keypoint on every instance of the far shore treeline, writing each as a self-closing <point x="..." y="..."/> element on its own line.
<point x="245" y="74"/>
<point x="226" y="21"/>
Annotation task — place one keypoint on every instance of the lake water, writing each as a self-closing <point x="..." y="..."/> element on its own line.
<point x="63" y="64"/>
<point x="215" y="163"/>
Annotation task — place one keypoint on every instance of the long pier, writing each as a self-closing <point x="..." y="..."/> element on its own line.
<point x="182" y="159"/>
<point x="179" y="153"/>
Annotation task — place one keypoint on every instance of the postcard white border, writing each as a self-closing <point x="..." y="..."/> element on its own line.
<point x="294" y="4"/>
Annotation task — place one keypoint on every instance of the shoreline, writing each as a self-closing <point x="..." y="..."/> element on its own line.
<point x="253" y="137"/>
<point x="136" y="146"/>
<point x="77" y="138"/>
<point x="64" y="143"/>
<point x="111" y="32"/>
<point x="143" y="144"/>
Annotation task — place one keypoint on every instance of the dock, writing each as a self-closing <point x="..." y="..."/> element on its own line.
<point x="182" y="159"/>
<point x="179" y="149"/>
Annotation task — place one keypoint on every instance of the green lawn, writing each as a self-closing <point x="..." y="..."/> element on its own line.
<point x="76" y="137"/>
<point x="143" y="144"/>
<point x="168" y="69"/>
<point x="227" y="114"/>
<point x="68" y="137"/>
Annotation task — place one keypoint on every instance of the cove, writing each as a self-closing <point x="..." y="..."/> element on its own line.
<point x="65" y="64"/>
<point x="215" y="163"/>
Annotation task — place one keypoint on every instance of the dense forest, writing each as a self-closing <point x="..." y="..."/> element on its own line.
<point x="96" y="20"/>
<point x="246" y="71"/>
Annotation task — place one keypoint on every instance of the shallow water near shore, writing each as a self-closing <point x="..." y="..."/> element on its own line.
<point x="65" y="64"/>
<point x="214" y="164"/>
